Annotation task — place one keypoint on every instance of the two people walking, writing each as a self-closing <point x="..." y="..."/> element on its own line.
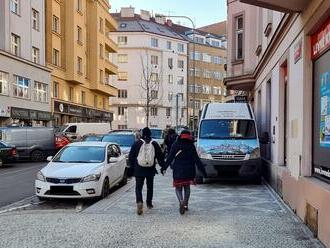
<point x="182" y="159"/>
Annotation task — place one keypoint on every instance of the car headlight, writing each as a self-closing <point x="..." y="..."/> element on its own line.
<point x="41" y="177"/>
<point x="203" y="154"/>
<point x="255" y="153"/>
<point x="90" y="178"/>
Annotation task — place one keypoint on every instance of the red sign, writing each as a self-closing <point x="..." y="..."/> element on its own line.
<point x="321" y="40"/>
<point x="297" y="51"/>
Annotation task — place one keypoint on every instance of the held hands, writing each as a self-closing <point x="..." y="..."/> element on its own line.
<point x="162" y="171"/>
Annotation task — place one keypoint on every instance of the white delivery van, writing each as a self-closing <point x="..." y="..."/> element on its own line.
<point x="74" y="131"/>
<point x="228" y="143"/>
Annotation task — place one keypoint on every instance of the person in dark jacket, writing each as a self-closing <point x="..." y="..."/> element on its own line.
<point x="145" y="173"/>
<point x="183" y="159"/>
<point x="170" y="138"/>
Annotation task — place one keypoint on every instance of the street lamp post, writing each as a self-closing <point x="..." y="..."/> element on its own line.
<point x="193" y="83"/>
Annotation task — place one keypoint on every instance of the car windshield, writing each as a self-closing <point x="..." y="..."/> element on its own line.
<point x="92" y="138"/>
<point x="81" y="154"/>
<point x="120" y="139"/>
<point x="227" y="129"/>
<point x="156" y="133"/>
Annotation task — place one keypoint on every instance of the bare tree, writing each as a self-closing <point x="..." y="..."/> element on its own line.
<point x="151" y="88"/>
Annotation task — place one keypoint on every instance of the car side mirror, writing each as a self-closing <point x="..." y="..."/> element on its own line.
<point x="112" y="160"/>
<point x="49" y="158"/>
<point x="264" y="139"/>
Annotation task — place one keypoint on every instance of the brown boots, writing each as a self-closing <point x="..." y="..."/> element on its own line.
<point x="139" y="208"/>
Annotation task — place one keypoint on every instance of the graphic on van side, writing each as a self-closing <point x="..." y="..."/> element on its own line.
<point x="236" y="147"/>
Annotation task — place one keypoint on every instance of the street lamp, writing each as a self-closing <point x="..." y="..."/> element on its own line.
<point x="193" y="83"/>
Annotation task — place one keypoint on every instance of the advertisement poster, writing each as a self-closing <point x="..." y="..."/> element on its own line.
<point x="325" y="110"/>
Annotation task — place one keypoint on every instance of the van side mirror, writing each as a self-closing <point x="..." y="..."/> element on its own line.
<point x="264" y="139"/>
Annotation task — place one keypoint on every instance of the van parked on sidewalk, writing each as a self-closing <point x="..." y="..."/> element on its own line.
<point x="75" y="131"/>
<point x="35" y="143"/>
<point x="228" y="142"/>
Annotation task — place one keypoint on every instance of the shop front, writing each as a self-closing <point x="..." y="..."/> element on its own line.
<point x="70" y="113"/>
<point x="28" y="117"/>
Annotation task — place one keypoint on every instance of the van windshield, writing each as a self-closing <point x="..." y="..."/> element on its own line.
<point x="227" y="129"/>
<point x="62" y="128"/>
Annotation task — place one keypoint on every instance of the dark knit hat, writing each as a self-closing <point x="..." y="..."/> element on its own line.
<point x="146" y="132"/>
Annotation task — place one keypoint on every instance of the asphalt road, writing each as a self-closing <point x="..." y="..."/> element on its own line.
<point x="17" y="181"/>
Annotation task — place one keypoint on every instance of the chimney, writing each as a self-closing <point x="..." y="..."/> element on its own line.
<point x="127" y="12"/>
<point x="145" y="15"/>
<point x="169" y="22"/>
<point x="160" y="19"/>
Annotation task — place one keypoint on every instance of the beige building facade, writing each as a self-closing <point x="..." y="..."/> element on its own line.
<point x="80" y="53"/>
<point x="279" y="51"/>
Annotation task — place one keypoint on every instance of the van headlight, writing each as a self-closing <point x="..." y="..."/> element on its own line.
<point x="255" y="153"/>
<point x="203" y="154"/>
<point x="41" y="177"/>
<point x="90" y="178"/>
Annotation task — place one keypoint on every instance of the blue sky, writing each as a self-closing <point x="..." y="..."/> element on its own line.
<point x="203" y="12"/>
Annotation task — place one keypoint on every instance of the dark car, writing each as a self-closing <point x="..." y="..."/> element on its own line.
<point x="8" y="153"/>
<point x="92" y="137"/>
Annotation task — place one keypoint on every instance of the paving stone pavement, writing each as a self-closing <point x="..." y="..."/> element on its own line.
<point x="226" y="216"/>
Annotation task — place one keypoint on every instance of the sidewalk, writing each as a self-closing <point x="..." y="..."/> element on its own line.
<point x="219" y="216"/>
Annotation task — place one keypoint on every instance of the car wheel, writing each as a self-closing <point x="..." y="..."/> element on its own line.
<point x="199" y="180"/>
<point x="105" y="188"/>
<point x="124" y="180"/>
<point x="37" y="156"/>
<point x="42" y="198"/>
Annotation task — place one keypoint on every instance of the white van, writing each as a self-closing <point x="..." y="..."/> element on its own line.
<point x="228" y="142"/>
<point x="74" y="131"/>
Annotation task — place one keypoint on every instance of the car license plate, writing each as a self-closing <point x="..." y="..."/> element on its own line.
<point x="61" y="189"/>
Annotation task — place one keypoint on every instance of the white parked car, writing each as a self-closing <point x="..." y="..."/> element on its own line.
<point x="82" y="170"/>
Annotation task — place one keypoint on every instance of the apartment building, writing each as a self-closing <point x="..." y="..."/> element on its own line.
<point x="206" y="70"/>
<point x="279" y="51"/>
<point x="80" y="53"/>
<point x="24" y="78"/>
<point x="152" y="72"/>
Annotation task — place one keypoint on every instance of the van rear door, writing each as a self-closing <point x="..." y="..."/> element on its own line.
<point x="18" y="137"/>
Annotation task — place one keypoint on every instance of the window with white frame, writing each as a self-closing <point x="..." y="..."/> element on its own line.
<point x="191" y="88"/>
<point x="154" y="77"/>
<point x="56" y="24"/>
<point x="217" y="75"/>
<point x="215" y="43"/>
<point x="15" y="44"/>
<point x="21" y="87"/>
<point x="122" y="110"/>
<point x="35" y="55"/>
<point x="79" y="35"/>
<point x="206" y="89"/>
<point x="122" y="76"/>
<point x="122" y="93"/>
<point x="169" y="45"/>
<point x="180" y="64"/>
<point x="180" y="48"/>
<point x="170" y="79"/>
<point x="170" y="96"/>
<point x="206" y="58"/>
<point x="180" y="96"/>
<point x="199" y="40"/>
<point x="15" y="6"/>
<point x="122" y="58"/>
<point x="153" y="111"/>
<point x="216" y="91"/>
<point x="35" y="19"/>
<point x="216" y="60"/>
<point x="239" y="31"/>
<point x="207" y="74"/>
<point x="4" y="83"/>
<point x="180" y="80"/>
<point x="154" y="60"/>
<point x="170" y="63"/>
<point x="40" y="92"/>
<point x="79" y="64"/>
<point x="122" y="40"/>
<point x="154" y="42"/>
<point x="154" y="94"/>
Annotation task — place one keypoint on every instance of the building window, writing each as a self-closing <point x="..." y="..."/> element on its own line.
<point x="104" y="103"/>
<point x="154" y="77"/>
<point x="101" y="25"/>
<point x="35" y="19"/>
<point x="15" y="6"/>
<point x="79" y="6"/>
<point x="239" y="37"/>
<point x="154" y="42"/>
<point x="168" y="112"/>
<point x="207" y="58"/>
<point x="79" y="65"/>
<point x="95" y="101"/>
<point x="121" y="110"/>
<point x="71" y="92"/>
<point x="55" y="90"/>
<point x="154" y="60"/>
<point x="40" y="92"/>
<point x="122" y="40"/>
<point x="101" y="77"/>
<point x="122" y="93"/>
<point x="216" y="60"/>
<point x="180" y="48"/>
<point x="21" y="87"/>
<point x="180" y="64"/>
<point x="35" y="55"/>
<point x="169" y="45"/>
<point x="207" y="74"/>
<point x="101" y="51"/>
<point x="122" y="76"/>
<point x="122" y="127"/>
<point x="216" y="43"/>
<point x="180" y="80"/>
<point x="206" y="89"/>
<point x="15" y="44"/>
<point x="182" y="112"/>
<point x="79" y="35"/>
<point x="122" y="58"/>
<point x="153" y="111"/>
<point x="170" y="63"/>
<point x="3" y="83"/>
<point x="154" y="94"/>
<point x="83" y="97"/>
<point x="56" y="24"/>
<point x="170" y="96"/>
<point x="170" y="79"/>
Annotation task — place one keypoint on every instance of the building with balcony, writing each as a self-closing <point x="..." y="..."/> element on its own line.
<point x="152" y="73"/>
<point x="80" y="53"/>
<point x="279" y="51"/>
<point x="24" y="78"/>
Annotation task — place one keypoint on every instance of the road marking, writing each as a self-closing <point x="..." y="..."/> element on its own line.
<point x="15" y="208"/>
<point x="14" y="172"/>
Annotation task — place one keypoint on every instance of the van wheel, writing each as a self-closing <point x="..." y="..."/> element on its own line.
<point x="37" y="156"/>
